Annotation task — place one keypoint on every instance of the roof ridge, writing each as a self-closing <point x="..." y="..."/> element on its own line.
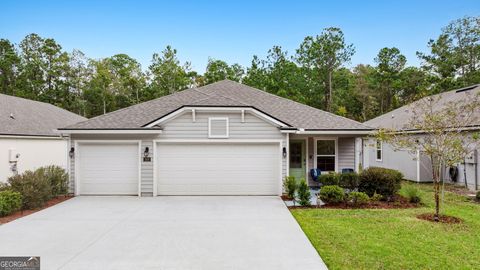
<point x="304" y="105"/>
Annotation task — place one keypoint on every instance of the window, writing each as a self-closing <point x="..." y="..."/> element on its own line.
<point x="326" y="155"/>
<point x="218" y="127"/>
<point x="296" y="154"/>
<point x="379" y="149"/>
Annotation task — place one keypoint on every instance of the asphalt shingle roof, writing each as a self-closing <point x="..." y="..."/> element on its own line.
<point x="19" y="116"/>
<point x="222" y="93"/>
<point x="399" y="119"/>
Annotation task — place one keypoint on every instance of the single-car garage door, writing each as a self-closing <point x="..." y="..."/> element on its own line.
<point x="218" y="169"/>
<point x="108" y="168"/>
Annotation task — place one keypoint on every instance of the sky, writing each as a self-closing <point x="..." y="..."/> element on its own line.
<point x="232" y="31"/>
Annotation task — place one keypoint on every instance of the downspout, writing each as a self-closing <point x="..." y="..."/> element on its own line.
<point x="465" y="173"/>
<point x="418" y="166"/>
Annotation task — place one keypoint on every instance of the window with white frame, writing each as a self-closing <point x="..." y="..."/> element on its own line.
<point x="379" y="149"/>
<point x="218" y="127"/>
<point x="326" y="155"/>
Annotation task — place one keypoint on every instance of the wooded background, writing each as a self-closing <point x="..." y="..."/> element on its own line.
<point x="315" y="74"/>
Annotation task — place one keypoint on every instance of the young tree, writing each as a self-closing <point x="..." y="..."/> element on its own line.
<point x="324" y="54"/>
<point x="440" y="131"/>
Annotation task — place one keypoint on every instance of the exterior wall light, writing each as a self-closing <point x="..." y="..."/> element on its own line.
<point x="284" y="152"/>
<point x="146" y="153"/>
<point x="71" y="153"/>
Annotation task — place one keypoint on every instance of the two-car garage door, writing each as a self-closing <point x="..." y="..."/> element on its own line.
<point x="218" y="169"/>
<point x="207" y="168"/>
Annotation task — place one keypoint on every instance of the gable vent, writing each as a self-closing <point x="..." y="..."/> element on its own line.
<point x="218" y="127"/>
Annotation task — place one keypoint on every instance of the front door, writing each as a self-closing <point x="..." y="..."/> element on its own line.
<point x="297" y="159"/>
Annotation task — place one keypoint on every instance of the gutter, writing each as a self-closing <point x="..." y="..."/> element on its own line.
<point x="327" y="131"/>
<point x="111" y="131"/>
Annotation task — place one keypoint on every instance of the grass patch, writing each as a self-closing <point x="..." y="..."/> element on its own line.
<point x="396" y="238"/>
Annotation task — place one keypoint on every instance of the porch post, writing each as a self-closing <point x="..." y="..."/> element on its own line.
<point x="358" y="153"/>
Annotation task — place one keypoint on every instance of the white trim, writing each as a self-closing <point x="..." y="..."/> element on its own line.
<point x="77" y="159"/>
<point x="32" y="137"/>
<point x="358" y="153"/>
<point x="315" y="150"/>
<point x="376" y="150"/>
<point x="331" y="132"/>
<point x="216" y="109"/>
<point x="154" y="168"/>
<point x="287" y="148"/>
<point x="227" y="127"/>
<point x="243" y="116"/>
<point x="109" y="131"/>
<point x="240" y="141"/>
<point x="307" y="175"/>
<point x="194" y="119"/>
<point x="418" y="165"/>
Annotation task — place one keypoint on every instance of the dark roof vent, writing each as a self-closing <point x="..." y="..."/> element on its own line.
<point x="11" y="116"/>
<point x="467" y="88"/>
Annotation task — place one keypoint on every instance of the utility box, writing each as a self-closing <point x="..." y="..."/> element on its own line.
<point x="472" y="157"/>
<point x="13" y="155"/>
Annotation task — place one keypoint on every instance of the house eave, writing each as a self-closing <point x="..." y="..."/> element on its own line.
<point x="111" y="131"/>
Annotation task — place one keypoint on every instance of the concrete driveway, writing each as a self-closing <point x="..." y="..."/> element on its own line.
<point x="162" y="233"/>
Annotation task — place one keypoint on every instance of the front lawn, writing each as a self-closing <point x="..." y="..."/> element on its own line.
<point x="395" y="238"/>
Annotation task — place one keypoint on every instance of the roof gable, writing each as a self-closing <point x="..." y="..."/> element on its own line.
<point x="223" y="93"/>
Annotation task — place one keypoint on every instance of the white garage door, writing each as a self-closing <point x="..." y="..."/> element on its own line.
<point x="218" y="169"/>
<point x="108" y="169"/>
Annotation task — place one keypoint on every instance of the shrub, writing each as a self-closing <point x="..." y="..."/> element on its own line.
<point x="412" y="193"/>
<point x="376" y="197"/>
<point x="10" y="201"/>
<point x="478" y="196"/>
<point x="34" y="187"/>
<point x="329" y="179"/>
<point x="385" y="182"/>
<point x="303" y="193"/>
<point x="290" y="186"/>
<point x="58" y="179"/>
<point x="358" y="198"/>
<point x="349" y="181"/>
<point x="331" y="194"/>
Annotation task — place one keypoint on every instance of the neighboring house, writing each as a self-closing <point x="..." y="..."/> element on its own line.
<point x="221" y="139"/>
<point x="28" y="136"/>
<point x="417" y="167"/>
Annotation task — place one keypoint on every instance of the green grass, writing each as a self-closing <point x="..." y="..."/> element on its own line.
<point x="395" y="238"/>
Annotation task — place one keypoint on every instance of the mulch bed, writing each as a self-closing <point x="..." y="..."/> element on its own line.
<point x="23" y="213"/>
<point x="443" y="218"/>
<point x="398" y="202"/>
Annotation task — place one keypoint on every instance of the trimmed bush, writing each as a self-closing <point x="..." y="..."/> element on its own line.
<point x="303" y="193"/>
<point x="358" y="198"/>
<point x="10" y="201"/>
<point x="34" y="187"/>
<point x="329" y="179"/>
<point x="58" y="179"/>
<point x="331" y="194"/>
<point x="376" y="197"/>
<point x="290" y="186"/>
<point x="412" y="193"/>
<point x="349" y="181"/>
<point x="385" y="182"/>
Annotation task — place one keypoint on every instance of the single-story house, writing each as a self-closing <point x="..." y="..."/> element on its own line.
<point x="225" y="138"/>
<point x="417" y="167"/>
<point x="29" y="137"/>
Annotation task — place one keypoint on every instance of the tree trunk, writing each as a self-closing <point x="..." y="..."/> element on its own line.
<point x="328" y="92"/>
<point x="436" y="189"/>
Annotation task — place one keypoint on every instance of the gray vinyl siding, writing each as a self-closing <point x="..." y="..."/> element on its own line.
<point x="146" y="184"/>
<point x="346" y="153"/>
<point x="183" y="127"/>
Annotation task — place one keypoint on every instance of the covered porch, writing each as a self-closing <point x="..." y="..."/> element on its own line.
<point x="329" y="153"/>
